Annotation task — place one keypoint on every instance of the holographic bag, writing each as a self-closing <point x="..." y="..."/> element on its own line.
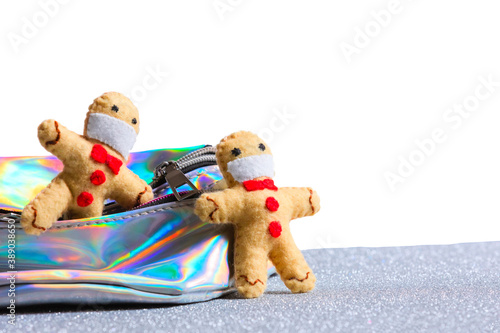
<point x="159" y="252"/>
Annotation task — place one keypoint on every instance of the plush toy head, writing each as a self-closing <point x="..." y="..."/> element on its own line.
<point x="261" y="213"/>
<point x="113" y="119"/>
<point x="94" y="165"/>
<point x="244" y="156"/>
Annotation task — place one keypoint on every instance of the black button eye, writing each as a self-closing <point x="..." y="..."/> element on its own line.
<point x="134" y="121"/>
<point x="114" y="108"/>
<point x="262" y="147"/>
<point x="236" y="151"/>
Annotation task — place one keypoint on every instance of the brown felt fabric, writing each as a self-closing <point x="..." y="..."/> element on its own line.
<point x="60" y="196"/>
<point x="254" y="244"/>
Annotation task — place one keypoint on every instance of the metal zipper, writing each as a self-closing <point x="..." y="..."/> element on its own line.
<point x="165" y="199"/>
<point x="6" y="216"/>
<point x="173" y="173"/>
<point x="205" y="155"/>
<point x="207" y="150"/>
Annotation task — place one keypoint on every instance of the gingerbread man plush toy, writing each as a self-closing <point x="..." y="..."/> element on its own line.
<point x="94" y="167"/>
<point x="261" y="213"/>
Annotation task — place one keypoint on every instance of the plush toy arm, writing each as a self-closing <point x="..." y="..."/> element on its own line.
<point x="130" y="191"/>
<point x="218" y="207"/>
<point x="304" y="201"/>
<point x="46" y="207"/>
<point x="60" y="141"/>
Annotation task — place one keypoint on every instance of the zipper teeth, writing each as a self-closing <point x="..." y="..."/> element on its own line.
<point x="195" y="160"/>
<point x="153" y="202"/>
<point x="157" y="200"/>
<point x="196" y="153"/>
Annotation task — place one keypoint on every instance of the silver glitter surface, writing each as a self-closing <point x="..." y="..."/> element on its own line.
<point x="454" y="288"/>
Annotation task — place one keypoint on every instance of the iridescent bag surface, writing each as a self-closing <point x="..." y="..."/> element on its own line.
<point x="158" y="254"/>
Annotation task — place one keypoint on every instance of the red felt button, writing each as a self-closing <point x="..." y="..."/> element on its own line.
<point x="98" y="177"/>
<point x="272" y="204"/>
<point x="84" y="199"/>
<point x="275" y="229"/>
<point x="99" y="153"/>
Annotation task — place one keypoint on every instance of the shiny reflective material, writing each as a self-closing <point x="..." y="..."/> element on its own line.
<point x="160" y="253"/>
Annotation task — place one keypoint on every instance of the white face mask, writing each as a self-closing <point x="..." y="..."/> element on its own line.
<point x="251" y="167"/>
<point x="111" y="131"/>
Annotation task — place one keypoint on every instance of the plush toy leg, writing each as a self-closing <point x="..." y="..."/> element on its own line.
<point x="292" y="268"/>
<point x="250" y="270"/>
<point x="46" y="208"/>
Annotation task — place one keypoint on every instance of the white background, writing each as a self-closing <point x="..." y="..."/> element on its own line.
<point x="234" y="65"/>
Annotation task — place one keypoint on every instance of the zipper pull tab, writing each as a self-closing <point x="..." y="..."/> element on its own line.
<point x="175" y="178"/>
